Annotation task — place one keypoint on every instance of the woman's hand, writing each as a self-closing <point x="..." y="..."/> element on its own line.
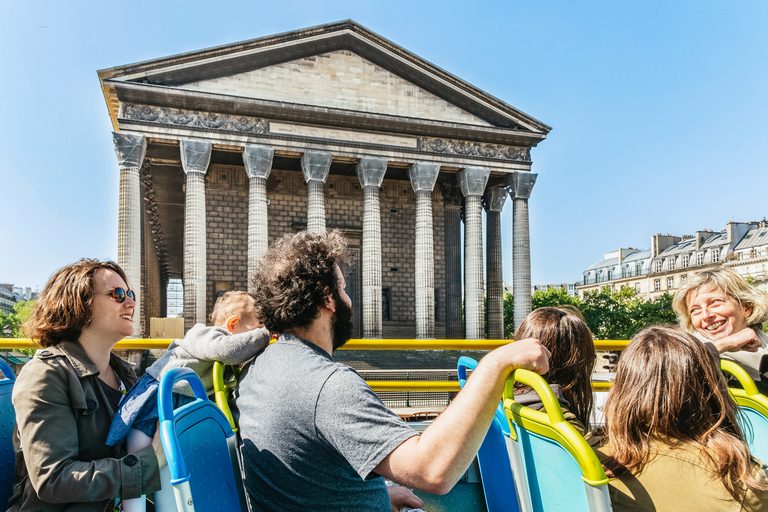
<point x="157" y="445"/>
<point x="745" y="339"/>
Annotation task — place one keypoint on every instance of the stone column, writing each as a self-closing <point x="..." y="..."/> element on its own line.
<point x="423" y="176"/>
<point x="315" y="166"/>
<point x="258" y="164"/>
<point x="519" y="185"/>
<point x="130" y="150"/>
<point x="494" y="202"/>
<point x="195" y="157"/>
<point x="371" y="171"/>
<point x="452" y="201"/>
<point x="472" y="181"/>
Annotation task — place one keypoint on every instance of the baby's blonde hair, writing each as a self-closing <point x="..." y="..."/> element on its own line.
<point x="232" y="303"/>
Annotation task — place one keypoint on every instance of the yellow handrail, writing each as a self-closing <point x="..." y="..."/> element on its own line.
<point x="362" y="344"/>
<point x="356" y="344"/>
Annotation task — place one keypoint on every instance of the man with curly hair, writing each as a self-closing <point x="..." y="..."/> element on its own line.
<point x="315" y="436"/>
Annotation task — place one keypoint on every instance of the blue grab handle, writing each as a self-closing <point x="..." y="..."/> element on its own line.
<point x="7" y="372"/>
<point x="461" y="368"/>
<point x="469" y="363"/>
<point x="178" y="468"/>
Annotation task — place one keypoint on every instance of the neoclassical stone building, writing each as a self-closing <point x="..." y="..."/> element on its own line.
<point x="222" y="150"/>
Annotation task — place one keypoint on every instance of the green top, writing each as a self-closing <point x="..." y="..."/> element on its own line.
<point x="677" y="478"/>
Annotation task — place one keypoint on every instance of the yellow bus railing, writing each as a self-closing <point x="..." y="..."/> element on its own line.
<point x="361" y="344"/>
<point x="356" y="344"/>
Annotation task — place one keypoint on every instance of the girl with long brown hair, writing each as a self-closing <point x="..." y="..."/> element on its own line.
<point x="572" y="358"/>
<point x="671" y="440"/>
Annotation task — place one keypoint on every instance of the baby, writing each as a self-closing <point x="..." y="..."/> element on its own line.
<point x="236" y="337"/>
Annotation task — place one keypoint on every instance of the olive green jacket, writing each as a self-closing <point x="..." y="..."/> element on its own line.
<point x="63" y="418"/>
<point x="677" y="478"/>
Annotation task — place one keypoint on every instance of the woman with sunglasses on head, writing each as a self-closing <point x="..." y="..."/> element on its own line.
<point x="671" y="439"/>
<point x="66" y="395"/>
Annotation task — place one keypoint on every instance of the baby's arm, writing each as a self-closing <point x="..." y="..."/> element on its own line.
<point x="216" y="344"/>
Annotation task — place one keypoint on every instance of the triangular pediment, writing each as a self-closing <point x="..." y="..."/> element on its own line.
<point x="342" y="70"/>
<point x="339" y="79"/>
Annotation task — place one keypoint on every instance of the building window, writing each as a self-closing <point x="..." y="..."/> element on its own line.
<point x="685" y="261"/>
<point x="657" y="284"/>
<point x="637" y="288"/>
<point x="671" y="264"/>
<point x="610" y="275"/>
<point x="638" y="269"/>
<point x="623" y="272"/>
<point x="700" y="258"/>
<point x="715" y="255"/>
<point x="585" y="279"/>
<point x="670" y="283"/>
<point x="386" y="304"/>
<point x="683" y="278"/>
<point x="174" y="298"/>
<point x="657" y="266"/>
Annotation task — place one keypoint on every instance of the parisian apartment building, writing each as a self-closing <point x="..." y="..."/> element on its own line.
<point x="665" y="267"/>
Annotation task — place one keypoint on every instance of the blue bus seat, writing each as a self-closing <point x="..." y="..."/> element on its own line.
<point x="7" y="422"/>
<point x="753" y="408"/>
<point x="560" y="469"/>
<point x="493" y="459"/>
<point x="201" y="449"/>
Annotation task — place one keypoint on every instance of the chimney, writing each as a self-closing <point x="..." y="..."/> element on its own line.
<point x="660" y="242"/>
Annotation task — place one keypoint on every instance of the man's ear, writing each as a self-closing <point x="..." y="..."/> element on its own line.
<point x="328" y="301"/>
<point x="232" y="323"/>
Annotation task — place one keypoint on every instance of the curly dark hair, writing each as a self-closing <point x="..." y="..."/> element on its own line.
<point x="64" y="306"/>
<point x="295" y="276"/>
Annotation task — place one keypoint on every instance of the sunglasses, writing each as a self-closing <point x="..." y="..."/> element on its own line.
<point x="119" y="294"/>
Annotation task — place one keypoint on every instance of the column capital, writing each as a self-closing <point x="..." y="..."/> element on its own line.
<point x="423" y="175"/>
<point x="519" y="184"/>
<point x="494" y="199"/>
<point x="258" y="161"/>
<point x="315" y="165"/>
<point x="371" y="170"/>
<point x="130" y="149"/>
<point x="472" y="180"/>
<point x="195" y="155"/>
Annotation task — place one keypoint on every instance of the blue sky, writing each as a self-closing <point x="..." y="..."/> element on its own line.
<point x="659" y="110"/>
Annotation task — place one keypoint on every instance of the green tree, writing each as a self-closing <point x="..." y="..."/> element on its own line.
<point x="653" y="312"/>
<point x="509" y="315"/>
<point x="610" y="314"/>
<point x="21" y="313"/>
<point x="553" y="297"/>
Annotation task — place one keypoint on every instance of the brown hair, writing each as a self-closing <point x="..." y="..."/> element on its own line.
<point x="733" y="285"/>
<point x="572" y="358"/>
<point x="64" y="305"/>
<point x="668" y="388"/>
<point x="295" y="276"/>
<point x="231" y="303"/>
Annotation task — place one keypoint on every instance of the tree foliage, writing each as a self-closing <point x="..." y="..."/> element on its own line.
<point x="610" y="315"/>
<point x="21" y="312"/>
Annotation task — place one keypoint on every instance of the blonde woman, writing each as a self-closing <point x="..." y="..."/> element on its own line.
<point x="671" y="440"/>
<point x="721" y="309"/>
<point x="66" y="396"/>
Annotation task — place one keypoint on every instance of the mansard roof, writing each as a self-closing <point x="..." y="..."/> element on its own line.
<point x="198" y="80"/>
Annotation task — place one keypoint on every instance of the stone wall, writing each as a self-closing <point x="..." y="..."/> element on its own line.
<point x="226" y="206"/>
<point x="227" y="211"/>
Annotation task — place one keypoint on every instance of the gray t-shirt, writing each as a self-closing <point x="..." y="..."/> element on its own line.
<point x="313" y="431"/>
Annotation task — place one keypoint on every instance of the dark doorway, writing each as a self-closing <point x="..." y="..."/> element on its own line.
<point x="354" y="290"/>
